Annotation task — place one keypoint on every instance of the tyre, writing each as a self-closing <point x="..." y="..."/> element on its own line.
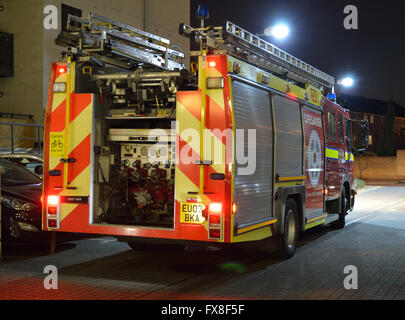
<point x="288" y="240"/>
<point x="341" y="222"/>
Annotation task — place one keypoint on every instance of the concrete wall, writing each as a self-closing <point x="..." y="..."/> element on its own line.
<point x="23" y="91"/>
<point x="380" y="168"/>
<point x="35" y="50"/>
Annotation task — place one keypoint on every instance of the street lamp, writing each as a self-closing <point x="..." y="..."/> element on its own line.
<point x="279" y="31"/>
<point x="346" y="82"/>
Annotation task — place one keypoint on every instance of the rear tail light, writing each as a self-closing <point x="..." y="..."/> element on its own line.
<point x="215" y="220"/>
<point x="52" y="223"/>
<point x="53" y="212"/>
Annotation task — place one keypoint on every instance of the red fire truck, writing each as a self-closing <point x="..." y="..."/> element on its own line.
<point x="242" y="147"/>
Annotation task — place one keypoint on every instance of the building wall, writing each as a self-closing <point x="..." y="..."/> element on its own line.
<point x="22" y="92"/>
<point x="35" y="50"/>
<point x="380" y="168"/>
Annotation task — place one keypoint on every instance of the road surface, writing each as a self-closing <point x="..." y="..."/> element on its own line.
<point x="373" y="241"/>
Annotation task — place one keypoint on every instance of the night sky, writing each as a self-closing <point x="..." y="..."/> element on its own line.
<point x="374" y="54"/>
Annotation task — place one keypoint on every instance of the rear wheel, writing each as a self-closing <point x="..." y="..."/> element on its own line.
<point x="288" y="240"/>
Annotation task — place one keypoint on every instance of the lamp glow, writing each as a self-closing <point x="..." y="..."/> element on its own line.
<point x="278" y="31"/>
<point x="346" y="82"/>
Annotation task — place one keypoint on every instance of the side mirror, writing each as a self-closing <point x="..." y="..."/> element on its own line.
<point x="364" y="133"/>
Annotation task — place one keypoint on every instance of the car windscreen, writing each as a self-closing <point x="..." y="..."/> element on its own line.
<point x="13" y="174"/>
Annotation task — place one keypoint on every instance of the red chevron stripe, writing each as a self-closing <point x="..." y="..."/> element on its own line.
<point x="57" y="121"/>
<point x="77" y="219"/>
<point x="79" y="102"/>
<point x="215" y="119"/>
<point x="221" y="64"/>
<point x="82" y="155"/>
<point x="192" y="102"/>
<point x="191" y="170"/>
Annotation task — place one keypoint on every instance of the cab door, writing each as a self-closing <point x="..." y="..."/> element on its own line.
<point x="332" y="155"/>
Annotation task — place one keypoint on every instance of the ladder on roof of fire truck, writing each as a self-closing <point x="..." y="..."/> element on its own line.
<point x="105" y="41"/>
<point x="247" y="46"/>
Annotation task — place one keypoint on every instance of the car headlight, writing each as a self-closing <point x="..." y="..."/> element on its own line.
<point x="17" y="205"/>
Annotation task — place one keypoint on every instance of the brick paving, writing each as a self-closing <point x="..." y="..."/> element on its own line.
<point x="98" y="269"/>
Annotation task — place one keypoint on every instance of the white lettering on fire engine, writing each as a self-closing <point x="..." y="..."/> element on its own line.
<point x="312" y="120"/>
<point x="51" y="280"/>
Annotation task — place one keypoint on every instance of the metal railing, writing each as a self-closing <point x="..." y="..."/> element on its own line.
<point x="35" y="136"/>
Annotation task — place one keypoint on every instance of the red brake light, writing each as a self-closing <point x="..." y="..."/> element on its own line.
<point x="52" y="210"/>
<point x="214" y="219"/>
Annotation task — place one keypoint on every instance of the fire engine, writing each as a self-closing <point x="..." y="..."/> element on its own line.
<point x="242" y="147"/>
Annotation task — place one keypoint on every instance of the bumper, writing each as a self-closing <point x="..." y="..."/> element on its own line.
<point x="18" y="227"/>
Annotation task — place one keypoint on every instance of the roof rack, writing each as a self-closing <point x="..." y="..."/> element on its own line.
<point x="110" y="42"/>
<point x="245" y="45"/>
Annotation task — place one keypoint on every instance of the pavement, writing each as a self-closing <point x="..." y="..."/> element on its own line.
<point x="101" y="268"/>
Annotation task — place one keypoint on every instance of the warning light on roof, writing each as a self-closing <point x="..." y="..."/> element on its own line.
<point x="212" y="64"/>
<point x="332" y="96"/>
<point x="202" y="12"/>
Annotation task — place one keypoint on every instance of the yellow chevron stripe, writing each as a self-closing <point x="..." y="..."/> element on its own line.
<point x="186" y="186"/>
<point x="80" y="127"/>
<point x="81" y="182"/>
<point x="66" y="209"/>
<point x="217" y="96"/>
<point x="213" y="73"/>
<point x="194" y="142"/>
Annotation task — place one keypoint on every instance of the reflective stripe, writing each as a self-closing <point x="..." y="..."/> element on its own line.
<point x="351" y="156"/>
<point x="256" y="226"/>
<point x="292" y="178"/>
<point x="332" y="153"/>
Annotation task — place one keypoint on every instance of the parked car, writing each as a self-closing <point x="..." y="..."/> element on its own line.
<point x="32" y="162"/>
<point x="21" y="206"/>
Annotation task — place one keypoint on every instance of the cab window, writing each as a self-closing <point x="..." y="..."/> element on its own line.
<point x="332" y="126"/>
<point x="340" y="128"/>
<point x="348" y="134"/>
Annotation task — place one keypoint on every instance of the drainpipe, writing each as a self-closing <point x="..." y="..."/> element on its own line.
<point x="146" y="15"/>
